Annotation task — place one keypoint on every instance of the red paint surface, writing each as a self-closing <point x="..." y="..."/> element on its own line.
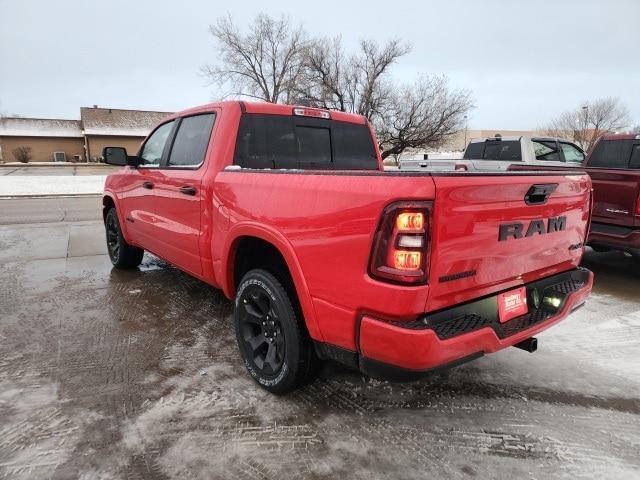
<point x="323" y="225"/>
<point x="423" y="350"/>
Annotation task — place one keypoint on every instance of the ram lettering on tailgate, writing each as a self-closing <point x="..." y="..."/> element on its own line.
<point x="536" y="227"/>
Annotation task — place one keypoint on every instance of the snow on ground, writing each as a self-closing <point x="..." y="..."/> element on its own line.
<point x="34" y="185"/>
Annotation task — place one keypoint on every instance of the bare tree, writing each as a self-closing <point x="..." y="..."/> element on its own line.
<point x="264" y="63"/>
<point x="585" y="124"/>
<point x="22" y="154"/>
<point x="424" y="114"/>
<point x="277" y="63"/>
<point x="357" y="83"/>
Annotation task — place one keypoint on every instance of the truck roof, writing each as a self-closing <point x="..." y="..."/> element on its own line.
<point x="620" y="136"/>
<point x="520" y="137"/>
<point x="270" y="109"/>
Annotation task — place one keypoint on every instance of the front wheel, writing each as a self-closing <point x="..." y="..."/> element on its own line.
<point x="122" y="254"/>
<point x="273" y="341"/>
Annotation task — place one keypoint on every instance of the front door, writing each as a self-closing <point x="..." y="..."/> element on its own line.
<point x="138" y="188"/>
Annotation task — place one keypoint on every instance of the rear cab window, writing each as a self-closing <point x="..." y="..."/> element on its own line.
<point x="502" y="150"/>
<point x="474" y="151"/>
<point x="291" y="142"/>
<point x="611" y="154"/>
<point x="635" y="157"/>
<point x="494" y="150"/>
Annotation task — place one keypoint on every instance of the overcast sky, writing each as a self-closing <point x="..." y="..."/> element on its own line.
<point x="524" y="61"/>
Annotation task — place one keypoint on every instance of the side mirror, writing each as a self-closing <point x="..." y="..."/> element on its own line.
<point x="118" y="156"/>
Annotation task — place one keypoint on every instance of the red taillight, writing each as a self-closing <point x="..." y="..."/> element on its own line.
<point x="410" y="221"/>
<point x="401" y="243"/>
<point x="403" y="260"/>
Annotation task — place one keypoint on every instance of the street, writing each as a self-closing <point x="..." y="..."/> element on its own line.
<point x="112" y="374"/>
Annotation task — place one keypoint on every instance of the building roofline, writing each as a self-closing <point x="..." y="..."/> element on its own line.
<point x="39" y="118"/>
<point x="124" y="109"/>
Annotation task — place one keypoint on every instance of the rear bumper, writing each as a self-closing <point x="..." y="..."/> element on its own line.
<point x="463" y="332"/>
<point x="614" y="236"/>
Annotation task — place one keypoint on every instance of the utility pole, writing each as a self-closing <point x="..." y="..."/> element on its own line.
<point x="584" y="126"/>
<point x="465" y="133"/>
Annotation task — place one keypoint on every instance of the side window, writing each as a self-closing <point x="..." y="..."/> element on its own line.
<point x="475" y="150"/>
<point x="572" y="153"/>
<point x="546" y="150"/>
<point x="635" y="156"/>
<point x="192" y="140"/>
<point x="154" y="146"/>
<point x="611" y="154"/>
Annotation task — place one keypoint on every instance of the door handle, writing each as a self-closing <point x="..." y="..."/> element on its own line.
<point x="188" y="190"/>
<point x="148" y="185"/>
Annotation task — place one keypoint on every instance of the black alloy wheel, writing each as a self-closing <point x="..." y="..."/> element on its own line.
<point x="121" y="254"/>
<point x="271" y="334"/>
<point x="261" y="331"/>
<point x="113" y="242"/>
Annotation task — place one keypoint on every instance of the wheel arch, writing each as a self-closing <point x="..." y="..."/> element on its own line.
<point x="250" y="237"/>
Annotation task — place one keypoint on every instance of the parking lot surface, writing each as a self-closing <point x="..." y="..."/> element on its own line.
<point x="111" y="374"/>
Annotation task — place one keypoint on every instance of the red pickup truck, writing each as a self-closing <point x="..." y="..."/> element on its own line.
<point x="288" y="210"/>
<point x="614" y="167"/>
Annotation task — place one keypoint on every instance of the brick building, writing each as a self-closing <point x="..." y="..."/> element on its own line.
<point x="76" y="140"/>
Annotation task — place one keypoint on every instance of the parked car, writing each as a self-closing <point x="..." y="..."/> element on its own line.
<point x="614" y="166"/>
<point x="288" y="210"/>
<point x="498" y="153"/>
<point x="530" y="150"/>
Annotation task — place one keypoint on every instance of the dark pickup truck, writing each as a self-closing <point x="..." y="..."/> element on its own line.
<point x="614" y="166"/>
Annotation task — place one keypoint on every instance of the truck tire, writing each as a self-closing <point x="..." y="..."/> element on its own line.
<point x="122" y="254"/>
<point x="273" y="341"/>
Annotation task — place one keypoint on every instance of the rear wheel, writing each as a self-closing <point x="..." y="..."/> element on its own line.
<point x="122" y="254"/>
<point x="273" y="341"/>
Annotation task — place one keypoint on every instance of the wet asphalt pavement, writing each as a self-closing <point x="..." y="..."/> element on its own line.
<point x="109" y="374"/>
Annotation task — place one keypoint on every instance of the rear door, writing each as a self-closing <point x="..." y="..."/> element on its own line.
<point x="178" y="193"/>
<point x="491" y="232"/>
<point x="615" y="190"/>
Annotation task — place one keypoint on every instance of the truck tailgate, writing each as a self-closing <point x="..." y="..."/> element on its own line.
<point x="486" y="237"/>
